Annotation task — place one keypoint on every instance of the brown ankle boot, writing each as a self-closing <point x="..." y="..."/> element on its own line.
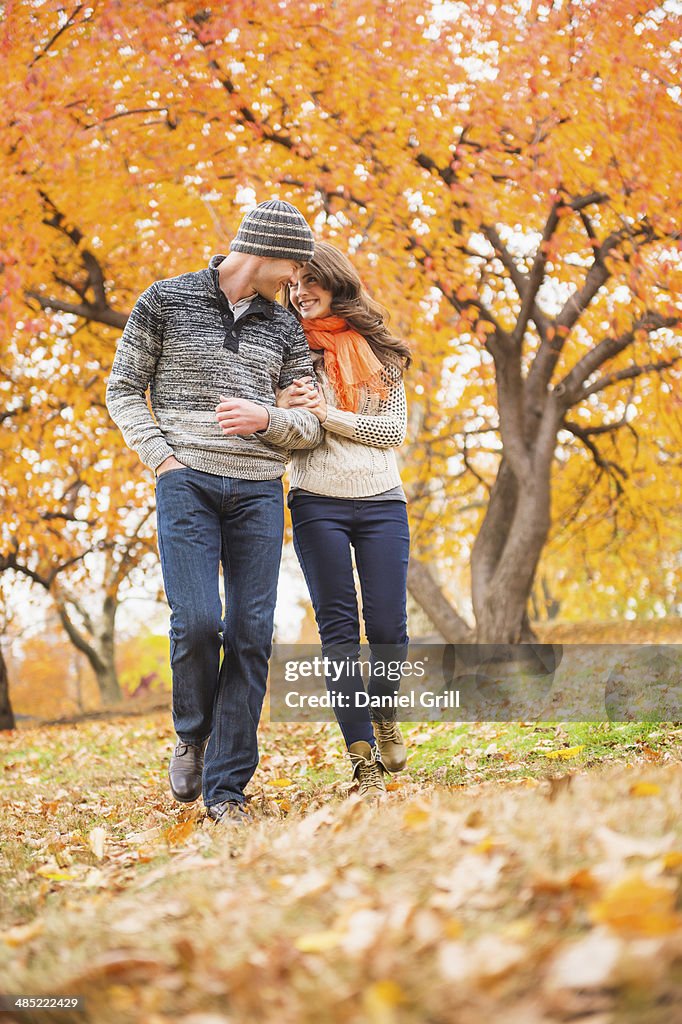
<point x="390" y="743"/>
<point x="368" y="770"/>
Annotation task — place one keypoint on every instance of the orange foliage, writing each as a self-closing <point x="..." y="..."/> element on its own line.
<point x="465" y="154"/>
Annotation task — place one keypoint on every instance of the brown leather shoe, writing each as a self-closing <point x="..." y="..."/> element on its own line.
<point x="185" y="771"/>
<point x="229" y="812"/>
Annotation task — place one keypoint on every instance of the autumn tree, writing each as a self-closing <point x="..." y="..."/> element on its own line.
<point x="76" y="517"/>
<point x="504" y="175"/>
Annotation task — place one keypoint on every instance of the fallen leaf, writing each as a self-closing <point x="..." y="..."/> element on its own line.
<point x="23" y="933"/>
<point x="416" y="815"/>
<point x="487" y="845"/>
<point x="179" y="833"/>
<point x="587" y="963"/>
<point x="380" y="999"/>
<point x="634" y="906"/>
<point x="96" y="841"/>
<point x="486" y="958"/>
<point x="645" y="789"/>
<point x="54" y="876"/>
<point x="566" y="752"/>
<point x="319" y="942"/>
<point x="148" y="836"/>
<point x="120" y="965"/>
<point x="620" y="847"/>
<point x="672" y="861"/>
<point x="280" y="783"/>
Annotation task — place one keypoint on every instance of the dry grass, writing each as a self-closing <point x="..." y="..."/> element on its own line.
<point x="548" y="893"/>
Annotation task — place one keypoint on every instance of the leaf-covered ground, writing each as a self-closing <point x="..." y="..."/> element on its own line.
<point x="520" y="873"/>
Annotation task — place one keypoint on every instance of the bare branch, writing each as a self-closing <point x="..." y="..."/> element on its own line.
<point x="88" y="310"/>
<point x="631" y="373"/>
<point x="570" y="388"/>
<point x="613" y="469"/>
<point x="534" y="279"/>
<point x="57" y="34"/>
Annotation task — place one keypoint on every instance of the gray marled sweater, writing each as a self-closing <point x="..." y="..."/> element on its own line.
<point x="182" y="342"/>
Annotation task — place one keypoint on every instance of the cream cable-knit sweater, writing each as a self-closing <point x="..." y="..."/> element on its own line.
<point x="356" y="457"/>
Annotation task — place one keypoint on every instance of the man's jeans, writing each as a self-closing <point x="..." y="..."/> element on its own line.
<point x="202" y="520"/>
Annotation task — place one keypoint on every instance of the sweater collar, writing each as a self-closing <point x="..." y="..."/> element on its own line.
<point x="259" y="305"/>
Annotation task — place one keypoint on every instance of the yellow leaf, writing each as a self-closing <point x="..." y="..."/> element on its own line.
<point x="634" y="906"/>
<point x="280" y="783"/>
<point x="672" y="861"/>
<point x="319" y="942"/>
<point x="487" y="845"/>
<point x="645" y="789"/>
<point x="415" y="816"/>
<point x="380" y="999"/>
<point x="566" y="753"/>
<point x="452" y="928"/>
<point x="54" y="876"/>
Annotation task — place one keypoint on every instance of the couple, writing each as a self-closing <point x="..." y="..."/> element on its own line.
<point x="318" y="383"/>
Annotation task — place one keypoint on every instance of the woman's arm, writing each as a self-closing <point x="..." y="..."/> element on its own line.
<point x="384" y="430"/>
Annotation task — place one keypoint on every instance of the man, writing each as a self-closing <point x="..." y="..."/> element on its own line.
<point x="207" y="342"/>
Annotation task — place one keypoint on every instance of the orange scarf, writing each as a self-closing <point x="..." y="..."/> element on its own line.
<point x="349" y="362"/>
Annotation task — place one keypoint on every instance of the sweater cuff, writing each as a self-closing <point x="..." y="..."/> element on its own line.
<point x="278" y="428"/>
<point x="154" y="452"/>
<point x="340" y="422"/>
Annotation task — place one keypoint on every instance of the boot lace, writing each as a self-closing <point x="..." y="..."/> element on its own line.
<point x="369" y="774"/>
<point x="386" y="730"/>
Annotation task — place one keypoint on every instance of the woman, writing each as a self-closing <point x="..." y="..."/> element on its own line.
<point x="347" y="494"/>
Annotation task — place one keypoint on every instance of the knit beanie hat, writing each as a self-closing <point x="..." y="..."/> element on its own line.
<point x="275" y="229"/>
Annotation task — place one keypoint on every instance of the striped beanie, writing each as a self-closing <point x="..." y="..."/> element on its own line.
<point x="275" y="229"/>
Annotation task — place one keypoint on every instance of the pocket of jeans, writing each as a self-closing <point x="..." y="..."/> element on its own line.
<point x="170" y="472"/>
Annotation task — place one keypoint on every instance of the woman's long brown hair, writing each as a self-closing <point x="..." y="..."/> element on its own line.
<point x="334" y="271"/>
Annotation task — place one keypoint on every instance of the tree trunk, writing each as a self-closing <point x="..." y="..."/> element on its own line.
<point x="98" y="646"/>
<point x="506" y="554"/>
<point x="425" y="590"/>
<point x="492" y="535"/>
<point x="107" y="682"/>
<point x="6" y="713"/>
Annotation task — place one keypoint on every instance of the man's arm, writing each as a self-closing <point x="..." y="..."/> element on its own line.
<point x="294" y="428"/>
<point x="297" y="429"/>
<point x="134" y="366"/>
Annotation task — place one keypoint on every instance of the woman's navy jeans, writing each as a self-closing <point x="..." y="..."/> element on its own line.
<point x="325" y="530"/>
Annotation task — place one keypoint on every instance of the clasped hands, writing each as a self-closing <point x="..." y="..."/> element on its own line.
<point x="302" y="394"/>
<point x="240" y="416"/>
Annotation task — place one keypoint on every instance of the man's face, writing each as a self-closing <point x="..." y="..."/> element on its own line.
<point x="273" y="274"/>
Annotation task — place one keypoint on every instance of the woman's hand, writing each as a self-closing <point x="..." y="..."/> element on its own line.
<point x="302" y="394"/>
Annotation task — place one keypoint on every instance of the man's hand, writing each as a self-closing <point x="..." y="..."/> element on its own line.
<point x="302" y="394"/>
<point x="170" y="463"/>
<point x="239" y="416"/>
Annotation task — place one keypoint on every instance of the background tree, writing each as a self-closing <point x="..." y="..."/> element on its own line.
<point x="504" y="175"/>
<point x="7" y="720"/>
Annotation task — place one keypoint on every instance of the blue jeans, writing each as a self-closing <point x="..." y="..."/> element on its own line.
<point x="204" y="520"/>
<point x="325" y="529"/>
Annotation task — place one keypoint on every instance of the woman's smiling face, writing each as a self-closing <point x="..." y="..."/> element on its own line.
<point x="308" y="297"/>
